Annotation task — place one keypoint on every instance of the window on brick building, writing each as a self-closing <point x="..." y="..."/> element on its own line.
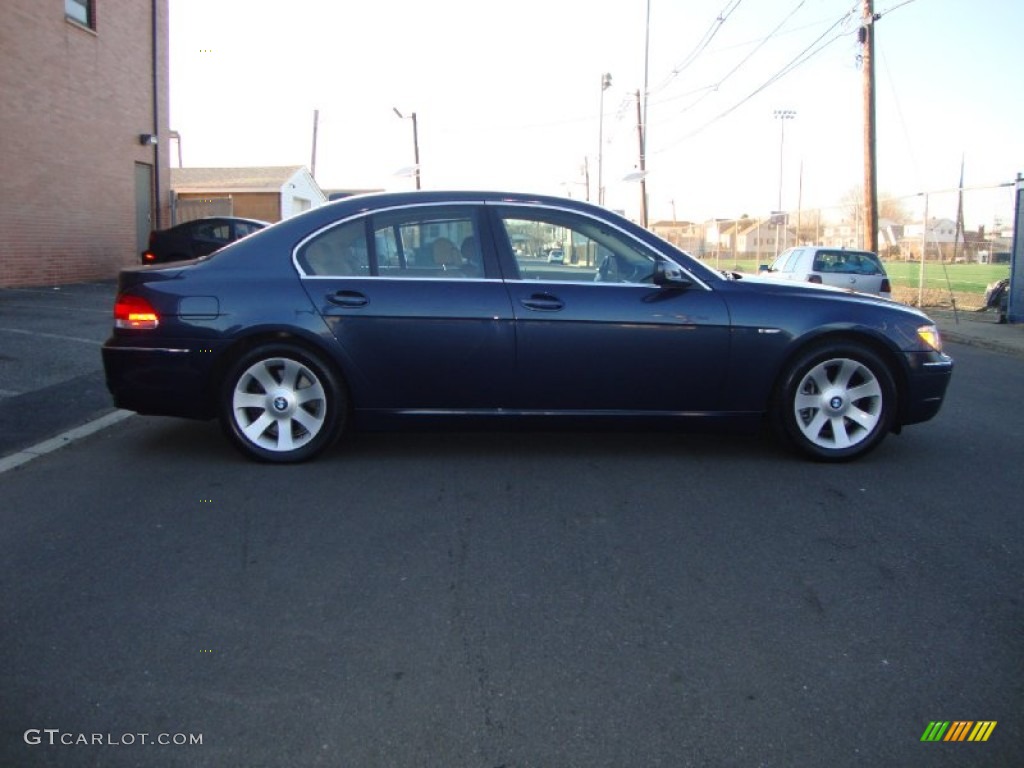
<point x="81" y="11"/>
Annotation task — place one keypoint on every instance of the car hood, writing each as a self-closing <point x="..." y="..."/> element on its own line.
<point x="776" y="286"/>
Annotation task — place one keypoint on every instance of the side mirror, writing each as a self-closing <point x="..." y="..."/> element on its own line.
<point x="764" y="268"/>
<point x="670" y="275"/>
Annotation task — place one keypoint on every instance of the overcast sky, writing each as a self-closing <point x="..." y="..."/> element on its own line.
<point x="508" y="96"/>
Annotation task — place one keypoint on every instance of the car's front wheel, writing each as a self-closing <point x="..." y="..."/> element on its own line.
<point x="836" y="402"/>
<point x="282" y="404"/>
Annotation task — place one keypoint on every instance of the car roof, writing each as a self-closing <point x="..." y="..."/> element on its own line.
<point x="227" y="218"/>
<point x="376" y="202"/>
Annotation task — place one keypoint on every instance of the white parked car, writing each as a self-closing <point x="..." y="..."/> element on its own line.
<point x="856" y="270"/>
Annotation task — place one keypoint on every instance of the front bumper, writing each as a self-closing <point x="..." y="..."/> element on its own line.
<point x="930" y="374"/>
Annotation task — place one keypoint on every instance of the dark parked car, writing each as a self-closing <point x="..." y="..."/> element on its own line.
<point x="197" y="238"/>
<point x="390" y="309"/>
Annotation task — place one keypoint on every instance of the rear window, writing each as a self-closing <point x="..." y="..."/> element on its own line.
<point x="847" y="263"/>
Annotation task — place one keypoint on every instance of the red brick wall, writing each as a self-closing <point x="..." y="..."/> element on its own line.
<point x="74" y="104"/>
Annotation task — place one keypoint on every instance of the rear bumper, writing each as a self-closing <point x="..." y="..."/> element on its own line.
<point x="160" y="381"/>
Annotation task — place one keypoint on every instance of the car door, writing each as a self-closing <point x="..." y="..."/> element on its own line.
<point x="595" y="333"/>
<point x="421" y="317"/>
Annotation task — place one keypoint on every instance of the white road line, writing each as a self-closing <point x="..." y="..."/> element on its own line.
<point x="58" y="442"/>
<point x="51" y="336"/>
<point x="109" y="311"/>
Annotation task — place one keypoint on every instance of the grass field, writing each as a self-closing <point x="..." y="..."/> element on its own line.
<point x="966" y="282"/>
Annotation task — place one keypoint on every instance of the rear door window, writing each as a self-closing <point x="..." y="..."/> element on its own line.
<point x="337" y="252"/>
<point x="847" y="263"/>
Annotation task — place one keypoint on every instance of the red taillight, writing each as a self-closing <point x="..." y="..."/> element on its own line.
<point x="149" y="256"/>
<point x="134" y="312"/>
<point x="886" y="287"/>
<point x="814" y="279"/>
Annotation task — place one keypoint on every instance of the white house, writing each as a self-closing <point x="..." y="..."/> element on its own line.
<point x="268" y="193"/>
<point x="939" y="230"/>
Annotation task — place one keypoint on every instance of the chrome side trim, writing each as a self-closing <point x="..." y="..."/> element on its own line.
<point x="164" y="350"/>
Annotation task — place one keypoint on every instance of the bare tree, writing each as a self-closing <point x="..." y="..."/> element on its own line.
<point x="889" y="207"/>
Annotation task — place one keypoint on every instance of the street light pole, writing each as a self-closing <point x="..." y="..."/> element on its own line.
<point x="643" y="163"/>
<point x="606" y="81"/>
<point x="782" y="115"/>
<point x="867" y="39"/>
<point x="415" y="143"/>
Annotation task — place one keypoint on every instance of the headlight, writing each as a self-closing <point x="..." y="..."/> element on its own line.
<point x="929" y="334"/>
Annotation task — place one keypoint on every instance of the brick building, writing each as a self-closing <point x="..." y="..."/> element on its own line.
<point x="85" y="96"/>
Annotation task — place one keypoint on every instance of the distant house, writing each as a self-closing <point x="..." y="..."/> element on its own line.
<point x="747" y="238"/>
<point x="766" y="240"/>
<point x="683" y="234"/>
<point x="850" y="234"/>
<point x="940" y="238"/>
<point x="268" y="193"/>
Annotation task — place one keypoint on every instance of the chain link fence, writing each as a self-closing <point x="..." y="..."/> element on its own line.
<point x="941" y="249"/>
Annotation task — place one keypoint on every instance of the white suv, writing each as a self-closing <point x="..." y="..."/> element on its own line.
<point x="856" y="270"/>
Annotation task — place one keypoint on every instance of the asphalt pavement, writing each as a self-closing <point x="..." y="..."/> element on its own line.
<point x="51" y="374"/>
<point x="509" y="600"/>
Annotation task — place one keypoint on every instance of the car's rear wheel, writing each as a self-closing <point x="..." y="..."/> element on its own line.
<point x="280" y="403"/>
<point x="836" y="402"/>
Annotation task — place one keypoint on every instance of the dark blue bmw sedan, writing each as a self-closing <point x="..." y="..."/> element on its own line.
<point x="387" y="309"/>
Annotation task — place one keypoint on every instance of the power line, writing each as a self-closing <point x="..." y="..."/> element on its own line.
<point x="802" y="58"/>
<point x="702" y="44"/>
<point x="708" y="90"/>
<point x="900" y="5"/>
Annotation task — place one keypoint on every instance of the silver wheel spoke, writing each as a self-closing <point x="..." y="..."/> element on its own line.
<point x="309" y="394"/>
<point x="255" y="430"/>
<point x="803" y="401"/>
<point x="291" y="373"/>
<point x="863" y="418"/>
<point x="263" y="376"/>
<point x="819" y="377"/>
<point x="308" y="420"/>
<point x="249" y="400"/>
<point x="867" y="389"/>
<point x="813" y="428"/>
<point x="847" y="372"/>
<point x="840" y="438"/>
<point x="284" y="435"/>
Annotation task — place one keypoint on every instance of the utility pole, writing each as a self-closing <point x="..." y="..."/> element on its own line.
<point x="867" y="40"/>
<point x="643" y="163"/>
<point x="606" y="82"/>
<point x="781" y="218"/>
<point x="312" y="162"/>
<point x="415" y="143"/>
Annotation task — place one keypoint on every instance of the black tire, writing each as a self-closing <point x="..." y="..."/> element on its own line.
<point x="281" y="404"/>
<point x="836" y="402"/>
